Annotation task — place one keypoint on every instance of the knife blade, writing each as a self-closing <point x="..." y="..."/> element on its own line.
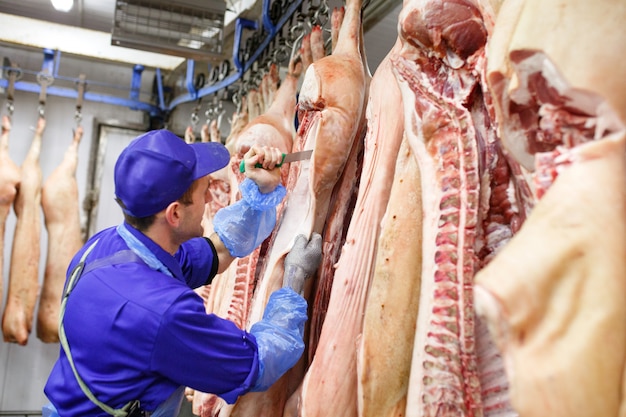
<point x="287" y="157"/>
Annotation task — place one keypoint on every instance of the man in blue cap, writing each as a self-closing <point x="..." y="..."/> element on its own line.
<point x="133" y="332"/>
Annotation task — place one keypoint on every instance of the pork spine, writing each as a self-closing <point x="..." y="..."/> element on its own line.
<point x="440" y="71"/>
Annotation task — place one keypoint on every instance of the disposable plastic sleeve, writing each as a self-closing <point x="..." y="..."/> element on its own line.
<point x="244" y="225"/>
<point x="279" y="336"/>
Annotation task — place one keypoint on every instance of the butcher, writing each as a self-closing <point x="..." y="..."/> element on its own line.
<point x="133" y="332"/>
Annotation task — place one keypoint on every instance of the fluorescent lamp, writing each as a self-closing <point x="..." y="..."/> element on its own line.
<point x="62" y="5"/>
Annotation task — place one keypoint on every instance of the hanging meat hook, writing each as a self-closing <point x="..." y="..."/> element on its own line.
<point x="321" y="16"/>
<point x="13" y="73"/>
<point x="276" y="11"/>
<point x="281" y="53"/>
<point x="295" y="47"/>
<point x="194" y="119"/>
<point x="237" y="99"/>
<point x="208" y="113"/>
<point x="44" y="79"/>
<point x="220" y="112"/>
<point x="78" y="115"/>
<point x="297" y="31"/>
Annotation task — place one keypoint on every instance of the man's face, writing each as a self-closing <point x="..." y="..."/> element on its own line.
<point x="191" y="224"/>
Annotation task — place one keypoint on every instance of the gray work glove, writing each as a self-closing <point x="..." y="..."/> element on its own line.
<point x="302" y="261"/>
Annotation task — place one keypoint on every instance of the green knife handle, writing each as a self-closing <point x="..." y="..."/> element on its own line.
<point x="242" y="165"/>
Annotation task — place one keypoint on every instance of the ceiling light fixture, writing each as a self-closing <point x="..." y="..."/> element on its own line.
<point x="62" y="5"/>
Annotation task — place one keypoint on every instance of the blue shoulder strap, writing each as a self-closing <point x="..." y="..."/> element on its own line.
<point x="123" y="256"/>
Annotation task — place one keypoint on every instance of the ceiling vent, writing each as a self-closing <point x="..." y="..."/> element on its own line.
<point x="191" y="29"/>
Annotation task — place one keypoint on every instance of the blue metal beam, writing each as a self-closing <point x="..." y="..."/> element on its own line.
<point x="89" y="96"/>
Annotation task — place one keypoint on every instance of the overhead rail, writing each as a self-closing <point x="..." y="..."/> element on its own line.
<point x="49" y="74"/>
<point x="246" y="56"/>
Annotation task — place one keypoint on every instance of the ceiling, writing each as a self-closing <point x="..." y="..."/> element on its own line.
<point x="380" y="23"/>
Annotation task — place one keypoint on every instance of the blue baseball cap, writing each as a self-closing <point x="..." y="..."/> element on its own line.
<point x="157" y="167"/>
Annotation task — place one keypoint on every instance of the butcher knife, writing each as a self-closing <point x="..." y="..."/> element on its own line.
<point x="287" y="157"/>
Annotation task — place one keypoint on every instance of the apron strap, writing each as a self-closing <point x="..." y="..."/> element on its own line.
<point x="124" y="256"/>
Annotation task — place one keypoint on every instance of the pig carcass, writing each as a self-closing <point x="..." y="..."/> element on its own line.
<point x="441" y="72"/>
<point x="9" y="183"/>
<point x="554" y="297"/>
<point x="59" y="201"/>
<point x="17" y="320"/>
<point x="333" y="99"/>
<point x="234" y="287"/>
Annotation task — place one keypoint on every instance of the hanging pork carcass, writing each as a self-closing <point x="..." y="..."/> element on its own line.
<point x="329" y="110"/>
<point x="555" y="297"/>
<point x="441" y="72"/>
<point x="342" y="201"/>
<point x="17" y="319"/>
<point x="234" y="287"/>
<point x="61" y="210"/>
<point x="385" y="346"/>
<point x="9" y="183"/>
<point x="338" y="88"/>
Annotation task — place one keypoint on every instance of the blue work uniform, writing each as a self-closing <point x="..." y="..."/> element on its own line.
<point x="137" y="331"/>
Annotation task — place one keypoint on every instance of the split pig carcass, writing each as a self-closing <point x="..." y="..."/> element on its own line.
<point x="554" y="298"/>
<point x="59" y="201"/>
<point x="467" y="214"/>
<point x="330" y="113"/>
<point x="388" y="253"/>
<point x="17" y="319"/>
<point x="9" y="183"/>
<point x="232" y="290"/>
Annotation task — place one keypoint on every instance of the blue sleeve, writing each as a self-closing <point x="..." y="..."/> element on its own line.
<point x="205" y="352"/>
<point x="279" y="336"/>
<point x="198" y="261"/>
<point x="244" y="225"/>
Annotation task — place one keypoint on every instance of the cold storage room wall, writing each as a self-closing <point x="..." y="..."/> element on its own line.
<point x="24" y="369"/>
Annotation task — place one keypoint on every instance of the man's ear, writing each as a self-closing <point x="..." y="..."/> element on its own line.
<point x="172" y="214"/>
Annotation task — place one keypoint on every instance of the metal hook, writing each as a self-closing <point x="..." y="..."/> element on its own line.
<point x="194" y="117"/>
<point x="280" y="54"/>
<point x="297" y="31"/>
<point x="321" y="15"/>
<point x="237" y="100"/>
<point x="220" y="113"/>
<point x="45" y="79"/>
<point x="208" y="114"/>
<point x="78" y="117"/>
<point x="296" y="46"/>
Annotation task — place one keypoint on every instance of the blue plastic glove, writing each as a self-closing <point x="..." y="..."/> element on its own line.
<point x="279" y="336"/>
<point x="243" y="226"/>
